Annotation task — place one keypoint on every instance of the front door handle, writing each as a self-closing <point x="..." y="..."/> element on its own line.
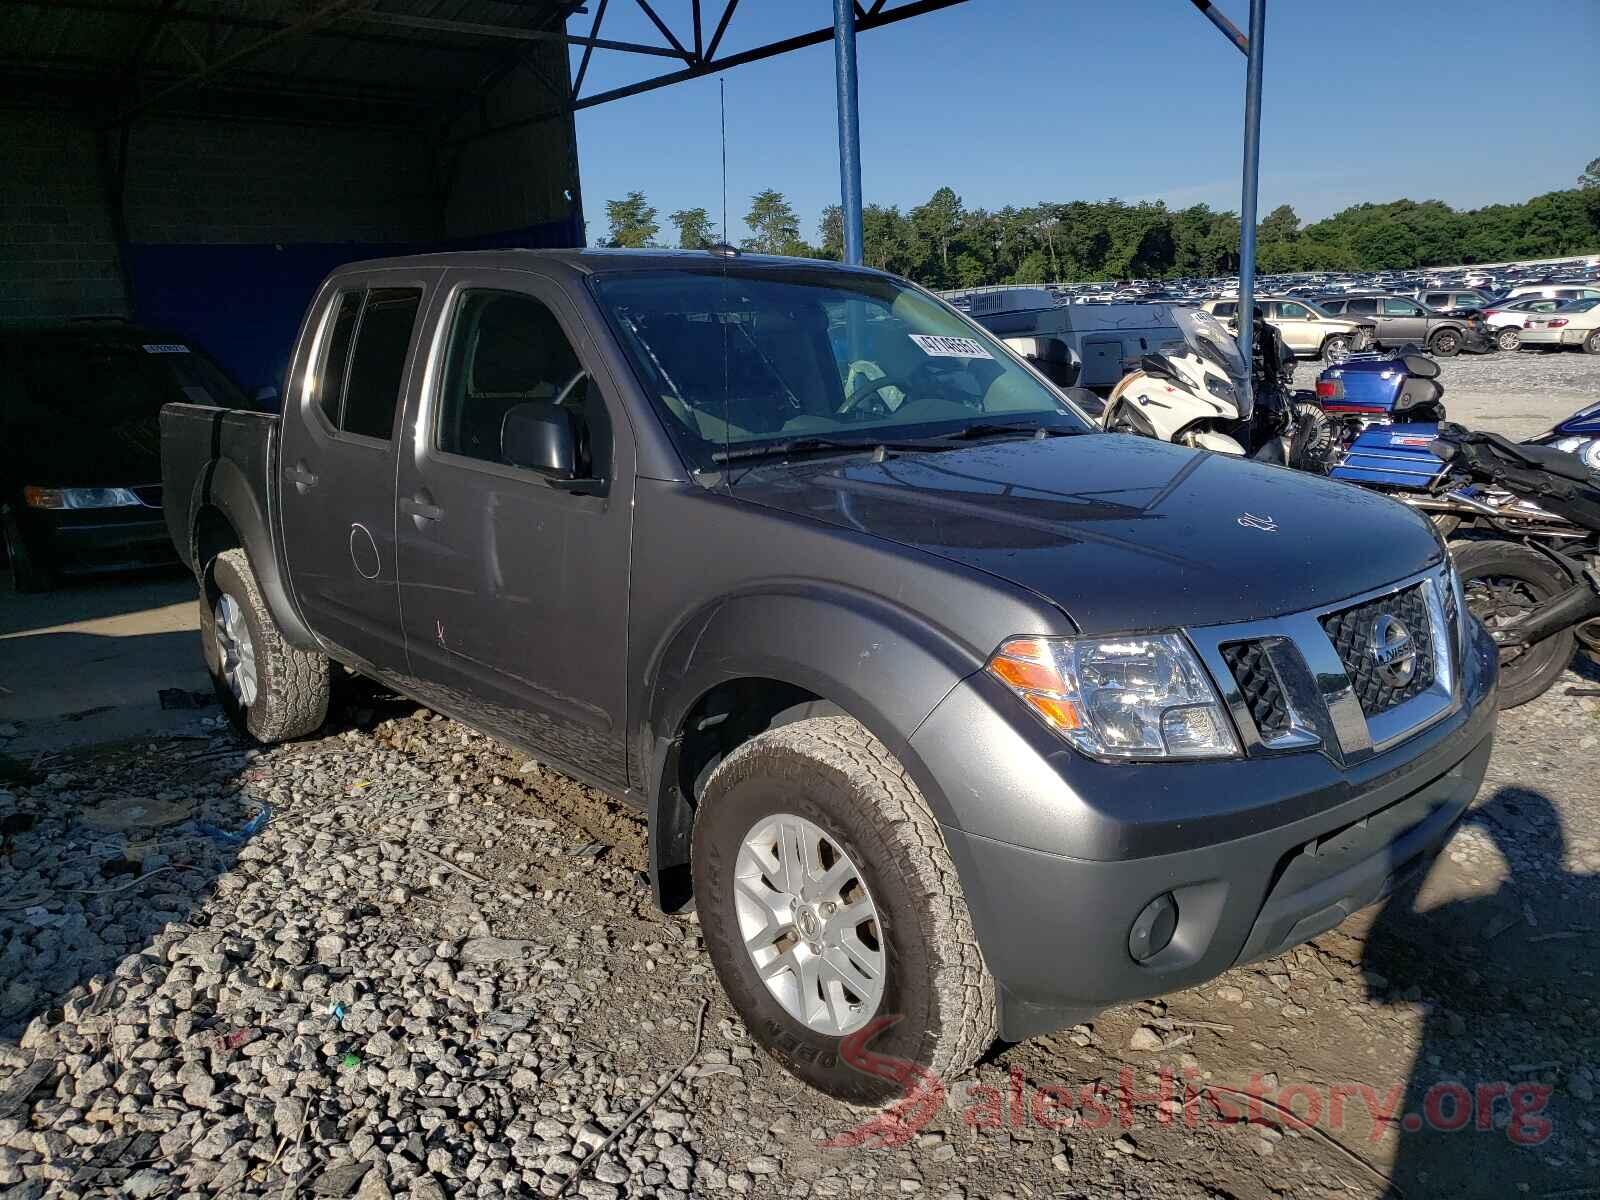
<point x="421" y="508"/>
<point x="302" y="478"/>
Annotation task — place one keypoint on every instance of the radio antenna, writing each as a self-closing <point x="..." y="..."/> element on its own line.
<point x="722" y="91"/>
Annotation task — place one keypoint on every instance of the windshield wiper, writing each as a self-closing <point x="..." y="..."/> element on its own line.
<point x="805" y="445"/>
<point x="996" y="428"/>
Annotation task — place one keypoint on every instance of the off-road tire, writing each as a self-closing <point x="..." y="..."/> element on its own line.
<point x="291" y="684"/>
<point x="1529" y="674"/>
<point x="1509" y="338"/>
<point x="28" y="574"/>
<point x="1446" y="343"/>
<point x="831" y="771"/>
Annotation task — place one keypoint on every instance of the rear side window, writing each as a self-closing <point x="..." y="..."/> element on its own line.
<point x="336" y="360"/>
<point x="379" y="360"/>
<point x="366" y="359"/>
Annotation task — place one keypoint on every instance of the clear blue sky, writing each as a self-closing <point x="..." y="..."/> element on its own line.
<point x="1016" y="101"/>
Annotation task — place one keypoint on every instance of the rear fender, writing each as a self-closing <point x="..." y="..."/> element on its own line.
<point x="224" y="487"/>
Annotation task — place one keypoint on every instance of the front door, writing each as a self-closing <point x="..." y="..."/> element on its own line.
<point x="515" y="591"/>
<point x="336" y="474"/>
<point x="1297" y="328"/>
<point x="1404" y="320"/>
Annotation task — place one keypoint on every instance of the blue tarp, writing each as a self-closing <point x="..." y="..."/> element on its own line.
<point x="243" y="303"/>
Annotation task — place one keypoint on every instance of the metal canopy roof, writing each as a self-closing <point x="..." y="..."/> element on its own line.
<point x="359" y="62"/>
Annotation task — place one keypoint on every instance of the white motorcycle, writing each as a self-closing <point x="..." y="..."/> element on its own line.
<point x="1195" y="393"/>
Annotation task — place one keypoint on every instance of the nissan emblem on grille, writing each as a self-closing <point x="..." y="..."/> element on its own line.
<point x="1393" y="651"/>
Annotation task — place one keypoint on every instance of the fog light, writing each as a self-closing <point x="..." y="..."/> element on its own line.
<point x="1153" y="928"/>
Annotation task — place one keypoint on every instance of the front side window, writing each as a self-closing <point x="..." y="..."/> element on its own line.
<point x="743" y="357"/>
<point x="1400" y="308"/>
<point x="508" y="350"/>
<point x="1226" y="309"/>
<point x="1437" y="299"/>
<point x="1289" y="311"/>
<point x="1364" y="308"/>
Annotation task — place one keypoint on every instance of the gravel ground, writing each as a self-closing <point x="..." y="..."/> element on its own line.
<point x="400" y="960"/>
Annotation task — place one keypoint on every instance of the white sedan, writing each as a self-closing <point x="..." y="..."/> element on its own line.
<point x="1505" y="319"/>
<point x="1575" y="325"/>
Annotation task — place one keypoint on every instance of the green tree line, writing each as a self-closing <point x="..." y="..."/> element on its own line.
<point x="944" y="244"/>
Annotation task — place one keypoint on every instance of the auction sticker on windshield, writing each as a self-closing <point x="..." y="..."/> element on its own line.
<point x="939" y="346"/>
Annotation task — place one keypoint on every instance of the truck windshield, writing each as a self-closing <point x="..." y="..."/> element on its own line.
<point x="738" y="358"/>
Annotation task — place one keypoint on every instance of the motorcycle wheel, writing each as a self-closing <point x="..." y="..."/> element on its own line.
<point x="1503" y="581"/>
<point x="1311" y="445"/>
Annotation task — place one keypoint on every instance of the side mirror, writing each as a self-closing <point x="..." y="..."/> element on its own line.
<point x="539" y="436"/>
<point x="267" y="396"/>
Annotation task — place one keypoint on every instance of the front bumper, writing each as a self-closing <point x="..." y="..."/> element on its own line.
<point x="1058" y="855"/>
<point x="98" y="539"/>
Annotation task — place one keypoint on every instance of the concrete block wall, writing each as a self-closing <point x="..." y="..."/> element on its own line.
<point x="58" y="255"/>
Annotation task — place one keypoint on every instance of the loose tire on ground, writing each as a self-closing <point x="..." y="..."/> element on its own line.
<point x="291" y="692"/>
<point x="1499" y="579"/>
<point x="834" y="774"/>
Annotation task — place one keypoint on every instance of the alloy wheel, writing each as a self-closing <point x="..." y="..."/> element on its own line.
<point x="1509" y="339"/>
<point x="237" y="650"/>
<point x="809" y="924"/>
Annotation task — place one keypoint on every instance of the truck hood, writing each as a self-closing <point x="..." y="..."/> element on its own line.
<point x="1122" y="533"/>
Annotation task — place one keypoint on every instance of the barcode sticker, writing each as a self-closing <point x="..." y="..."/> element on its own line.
<point x="165" y="348"/>
<point x="939" y="346"/>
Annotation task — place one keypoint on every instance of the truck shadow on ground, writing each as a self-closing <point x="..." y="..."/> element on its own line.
<point x="1499" y="1092"/>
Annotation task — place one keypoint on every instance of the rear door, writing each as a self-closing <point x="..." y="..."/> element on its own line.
<point x="337" y="464"/>
<point x="514" y="591"/>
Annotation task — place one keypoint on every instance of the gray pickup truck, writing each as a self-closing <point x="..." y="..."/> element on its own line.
<point x="955" y="716"/>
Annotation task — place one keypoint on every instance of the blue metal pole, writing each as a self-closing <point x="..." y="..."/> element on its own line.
<point x="844" y="66"/>
<point x="1252" y="179"/>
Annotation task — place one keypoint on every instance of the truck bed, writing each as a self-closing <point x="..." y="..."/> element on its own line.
<point x="195" y="438"/>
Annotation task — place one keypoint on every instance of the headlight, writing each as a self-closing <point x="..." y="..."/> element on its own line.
<point x="1142" y="696"/>
<point x="1221" y="388"/>
<point x="38" y="497"/>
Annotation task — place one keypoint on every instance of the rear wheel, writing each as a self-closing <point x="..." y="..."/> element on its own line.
<point x="1509" y="337"/>
<point x="830" y="904"/>
<point x="1446" y="342"/>
<point x="1591" y="344"/>
<point x="1502" y="582"/>
<point x="1336" y="349"/>
<point x="270" y="690"/>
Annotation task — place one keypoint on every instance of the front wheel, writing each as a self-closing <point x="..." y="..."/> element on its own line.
<point x="271" y="691"/>
<point x="1336" y="349"/>
<point x="28" y="574"/>
<point x="1509" y="338"/>
<point x="831" y="908"/>
<point x="1446" y="343"/>
<point x="1503" y="581"/>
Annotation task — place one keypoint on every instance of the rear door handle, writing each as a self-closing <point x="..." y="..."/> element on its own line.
<point x="300" y="477"/>
<point x="421" y="509"/>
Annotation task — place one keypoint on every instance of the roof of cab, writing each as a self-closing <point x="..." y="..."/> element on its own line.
<point x="594" y="261"/>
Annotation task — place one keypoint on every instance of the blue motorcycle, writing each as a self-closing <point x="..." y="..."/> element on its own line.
<point x="1372" y="422"/>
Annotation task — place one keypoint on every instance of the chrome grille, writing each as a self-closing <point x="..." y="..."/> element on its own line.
<point x="1351" y="631"/>
<point x="1258" y="684"/>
